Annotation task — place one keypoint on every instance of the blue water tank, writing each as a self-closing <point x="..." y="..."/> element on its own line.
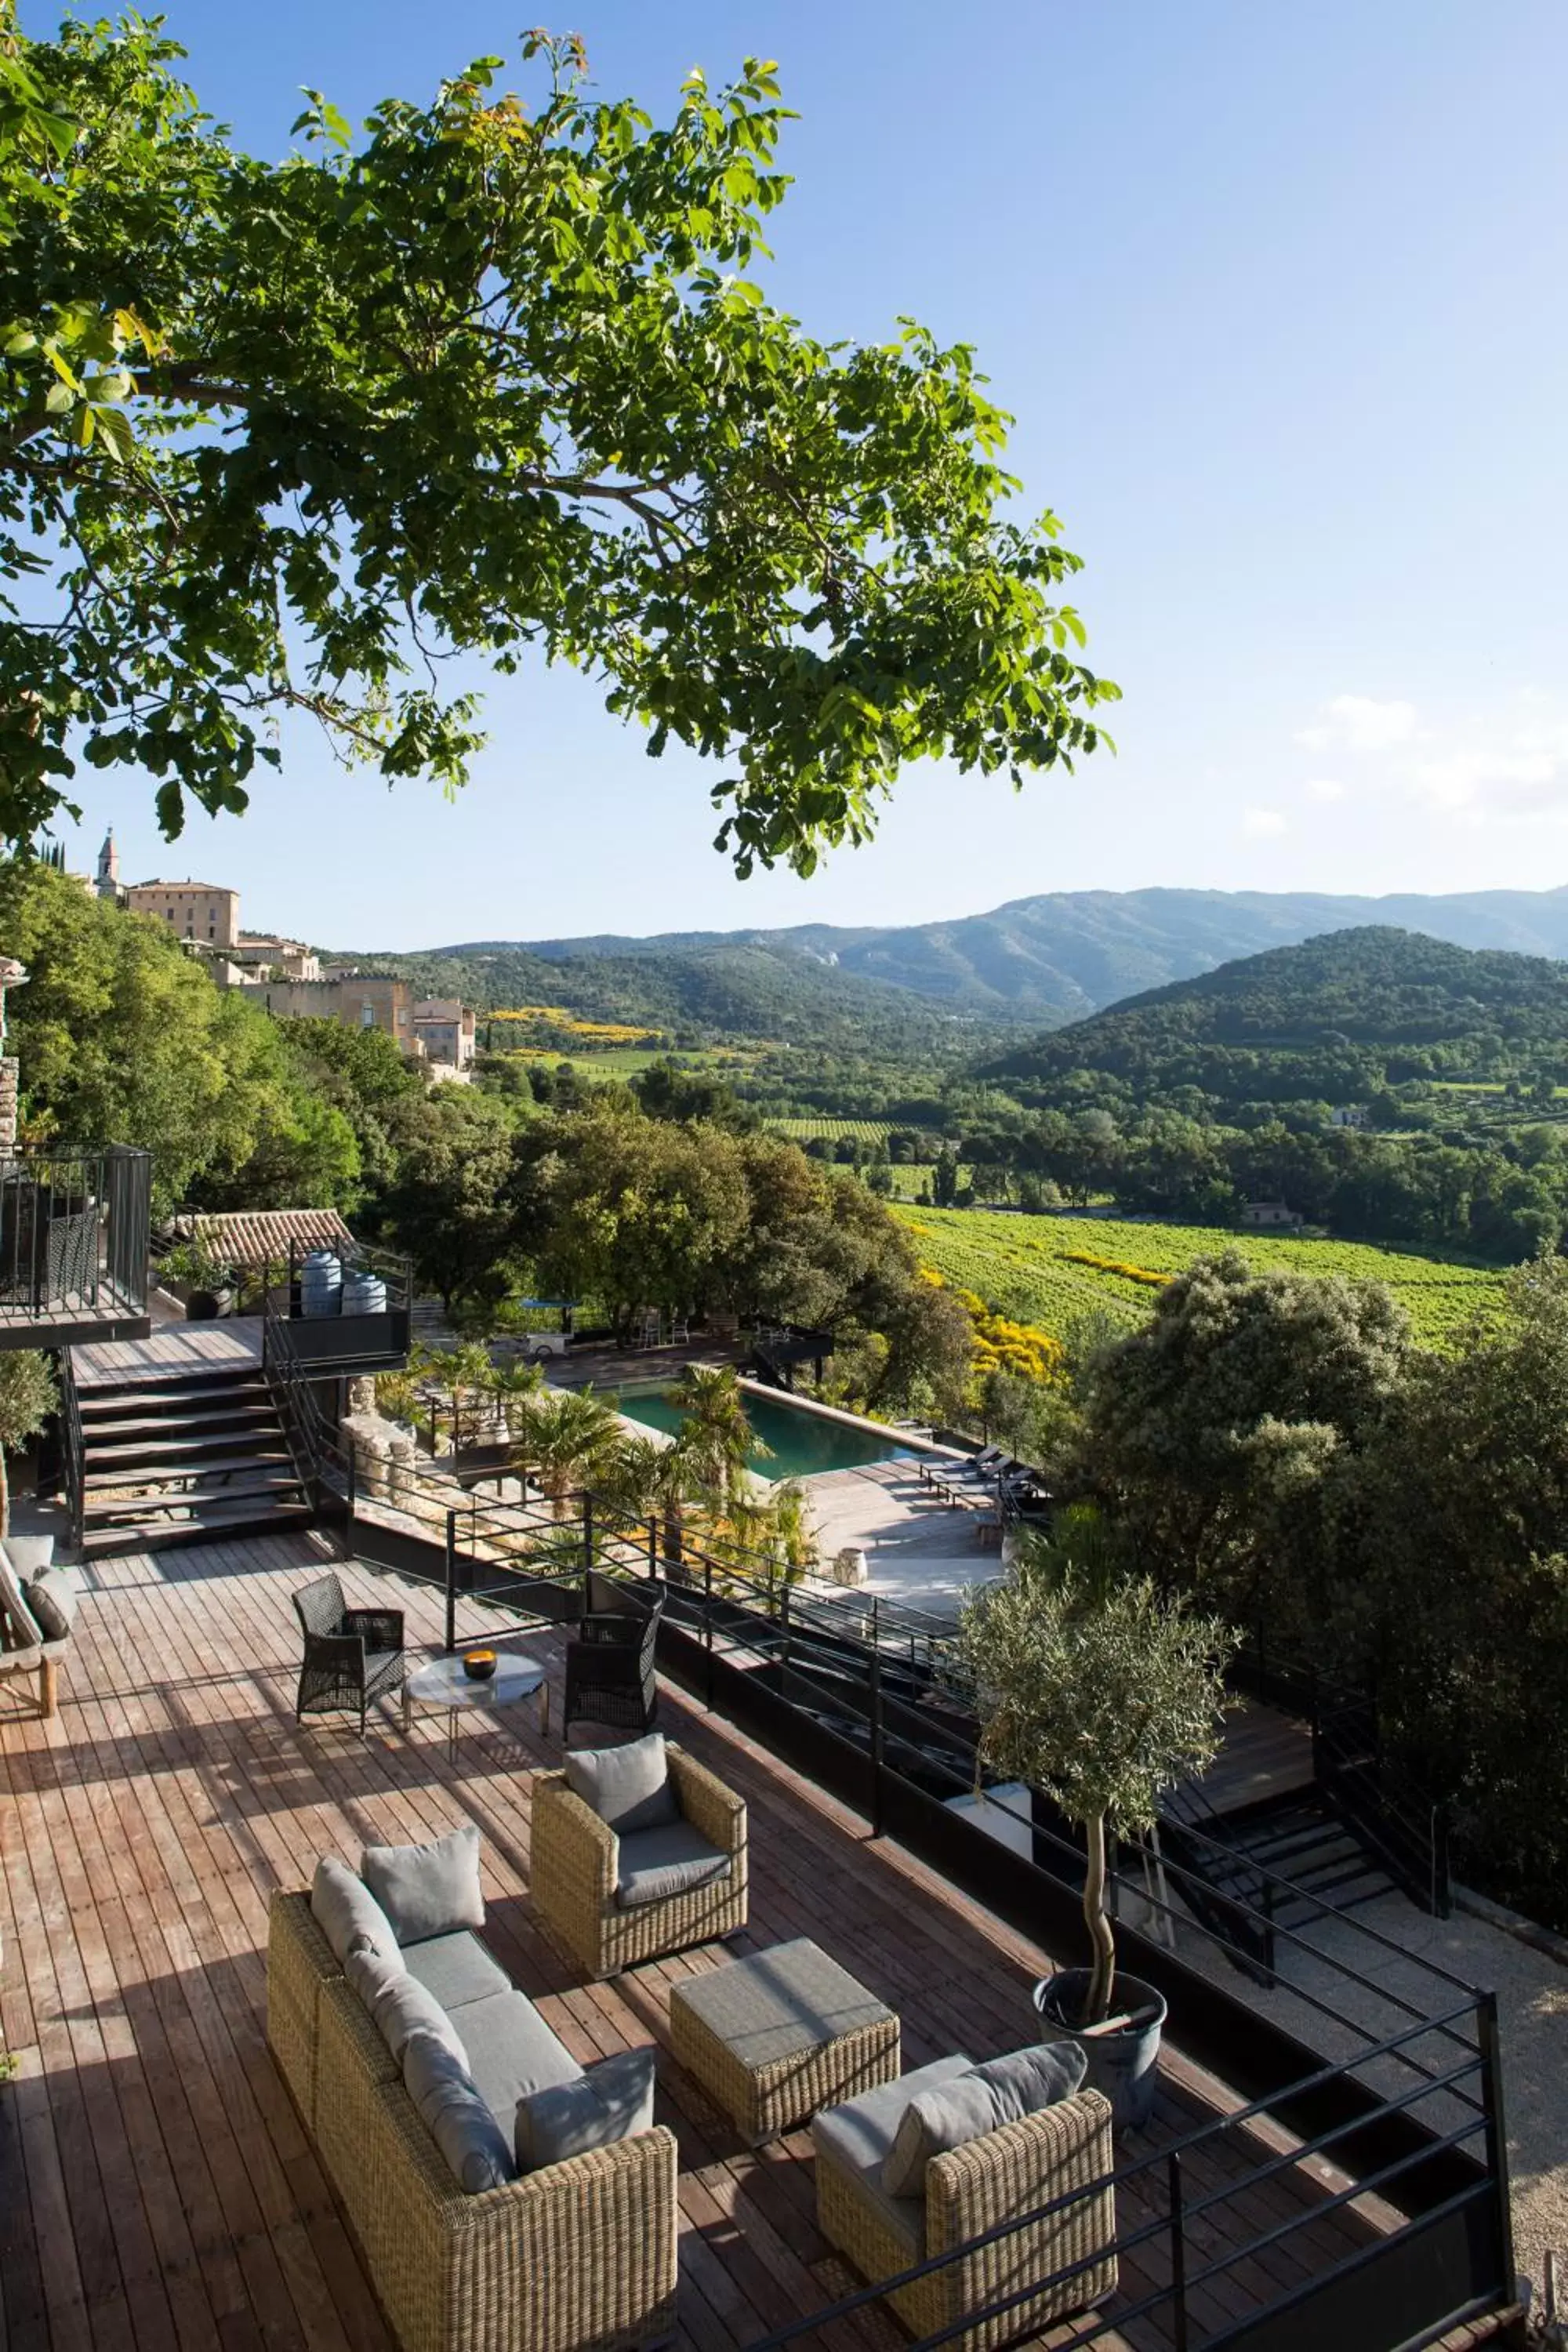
<point x="322" y="1283"/>
<point x="363" y="1294"/>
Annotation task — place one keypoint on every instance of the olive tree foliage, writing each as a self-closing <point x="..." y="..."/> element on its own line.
<point x="27" y="1397"/>
<point x="489" y="376"/>
<point x="1226" y="1432"/>
<point x="1095" y="1689"/>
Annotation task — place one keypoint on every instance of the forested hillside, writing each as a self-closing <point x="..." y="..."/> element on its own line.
<point x="1335" y="1019"/>
<point x="725" y="990"/>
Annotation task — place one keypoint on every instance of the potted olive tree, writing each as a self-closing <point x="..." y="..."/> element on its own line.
<point x="205" y="1285"/>
<point x="1096" y="1690"/>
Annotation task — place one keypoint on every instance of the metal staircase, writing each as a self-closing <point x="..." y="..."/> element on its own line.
<point x="185" y="1459"/>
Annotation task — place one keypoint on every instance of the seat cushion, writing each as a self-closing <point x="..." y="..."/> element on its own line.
<point x="456" y="1967"/>
<point x="512" y="2053"/>
<point x="610" y="2100"/>
<point x="670" y="1860"/>
<point x="30" y="1555"/>
<point x="459" y="2121"/>
<point x="628" y="1787"/>
<point x="949" y="2114"/>
<point x="858" y="2135"/>
<point x="427" y="1890"/>
<point x="398" y="2004"/>
<point x="345" y="1909"/>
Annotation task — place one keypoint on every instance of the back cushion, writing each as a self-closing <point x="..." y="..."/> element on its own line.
<point x="613" y="2099"/>
<point x="969" y="2106"/>
<point x="52" y="1596"/>
<point x="629" y="1787"/>
<point x="345" y="1909"/>
<point x="399" y="2003"/>
<point x="427" y="1890"/>
<point x="457" y="2120"/>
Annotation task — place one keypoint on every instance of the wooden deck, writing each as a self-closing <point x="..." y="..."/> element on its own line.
<point x="1266" y="1754"/>
<point x="159" y="2188"/>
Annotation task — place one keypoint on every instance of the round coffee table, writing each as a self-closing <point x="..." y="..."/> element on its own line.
<point x="443" y="1683"/>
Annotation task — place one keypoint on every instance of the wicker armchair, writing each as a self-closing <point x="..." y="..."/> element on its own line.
<point x="1068" y="2256"/>
<point x="576" y="1865"/>
<point x="610" y="1673"/>
<point x="352" y="1657"/>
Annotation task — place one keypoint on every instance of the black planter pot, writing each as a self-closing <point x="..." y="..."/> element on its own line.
<point x="1124" y="2066"/>
<point x="207" y="1305"/>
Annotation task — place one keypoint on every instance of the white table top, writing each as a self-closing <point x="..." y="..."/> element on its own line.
<point x="443" y="1681"/>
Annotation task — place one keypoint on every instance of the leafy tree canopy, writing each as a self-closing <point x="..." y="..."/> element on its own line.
<point x="489" y="376"/>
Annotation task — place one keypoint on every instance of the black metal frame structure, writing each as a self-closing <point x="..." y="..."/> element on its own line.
<point x="75" y="1228"/>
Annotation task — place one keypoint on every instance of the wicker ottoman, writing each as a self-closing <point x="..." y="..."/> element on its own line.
<point x="773" y="2038"/>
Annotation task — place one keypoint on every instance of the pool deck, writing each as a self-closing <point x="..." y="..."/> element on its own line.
<point x="919" y="1548"/>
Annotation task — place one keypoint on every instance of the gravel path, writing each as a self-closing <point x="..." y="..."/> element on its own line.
<point x="1533" y="2004"/>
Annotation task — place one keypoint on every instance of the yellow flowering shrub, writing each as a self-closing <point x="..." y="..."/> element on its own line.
<point x="1022" y="1349"/>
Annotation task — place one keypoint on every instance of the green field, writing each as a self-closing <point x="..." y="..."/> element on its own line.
<point x="1030" y="1267"/>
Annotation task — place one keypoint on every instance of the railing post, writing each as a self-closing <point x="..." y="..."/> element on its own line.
<point x="875" y="1743"/>
<point x="452" y="1581"/>
<point x="588" y="1530"/>
<point x="783" y="1622"/>
<point x="652" y="1549"/>
<point x="353" y="1476"/>
<point x="1497" y="2134"/>
<point x="708" y="1627"/>
<point x="1178" y="2254"/>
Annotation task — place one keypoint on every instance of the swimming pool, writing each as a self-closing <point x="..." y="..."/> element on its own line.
<point x="800" y="1443"/>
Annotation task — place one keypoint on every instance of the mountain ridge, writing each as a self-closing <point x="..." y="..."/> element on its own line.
<point x="1058" y="956"/>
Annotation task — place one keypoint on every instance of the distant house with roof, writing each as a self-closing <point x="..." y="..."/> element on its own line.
<point x="1276" y="1216"/>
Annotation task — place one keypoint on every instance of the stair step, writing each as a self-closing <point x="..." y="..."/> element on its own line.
<point x="279" y="1484"/>
<point x="214" y="1467"/>
<point x="163" y="1535"/>
<point x="164" y="1384"/>
<point x="184" y="1409"/>
<point x="166" y="1451"/>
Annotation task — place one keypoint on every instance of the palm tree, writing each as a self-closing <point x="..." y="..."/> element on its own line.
<point x="718" y="1435"/>
<point x="646" y="1480"/>
<point x="570" y="1437"/>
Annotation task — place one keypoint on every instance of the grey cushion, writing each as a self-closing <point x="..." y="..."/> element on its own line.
<point x="427" y="1890"/>
<point x="611" y="2099"/>
<point x="859" y="2135"/>
<point x="345" y="1908"/>
<point x="399" y="2005"/>
<point x="511" y="2053"/>
<point x="19" y="1628"/>
<point x="951" y="2114"/>
<point x="459" y="2122"/>
<point x="629" y="1787"/>
<point x="52" y="1596"/>
<point x="456" y="1969"/>
<point x="667" y="1860"/>
<point x="30" y="1555"/>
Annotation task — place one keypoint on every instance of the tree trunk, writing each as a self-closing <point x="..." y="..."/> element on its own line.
<point x="1102" y="1975"/>
<point x="4" y="1496"/>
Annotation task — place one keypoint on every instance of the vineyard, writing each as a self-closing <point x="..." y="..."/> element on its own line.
<point x="1053" y="1271"/>
<point x="833" y="1130"/>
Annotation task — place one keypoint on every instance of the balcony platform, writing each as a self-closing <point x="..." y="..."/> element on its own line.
<point x="160" y="2191"/>
<point x="68" y="1322"/>
<point x="171" y="1351"/>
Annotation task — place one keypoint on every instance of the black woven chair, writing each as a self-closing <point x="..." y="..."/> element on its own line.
<point x="352" y="1657"/>
<point x="610" y="1676"/>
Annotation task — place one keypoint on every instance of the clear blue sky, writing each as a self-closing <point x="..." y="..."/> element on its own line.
<point x="1278" y="297"/>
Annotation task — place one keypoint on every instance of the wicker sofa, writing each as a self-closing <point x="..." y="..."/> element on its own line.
<point x="579" y="2256"/>
<point x="577" y="1869"/>
<point x="25" y="1647"/>
<point x="969" y="2191"/>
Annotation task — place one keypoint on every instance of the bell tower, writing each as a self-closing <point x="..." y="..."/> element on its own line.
<point x="108" y="884"/>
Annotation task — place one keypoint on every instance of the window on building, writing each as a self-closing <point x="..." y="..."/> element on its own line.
<point x="367" y="1016"/>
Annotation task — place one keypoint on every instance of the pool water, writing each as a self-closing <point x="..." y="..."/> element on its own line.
<point x="800" y="1443"/>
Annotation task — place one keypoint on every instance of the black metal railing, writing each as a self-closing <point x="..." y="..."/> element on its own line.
<point x="1402" y="1823"/>
<point x="74" y="1232"/>
<point x="73" y="1448"/>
